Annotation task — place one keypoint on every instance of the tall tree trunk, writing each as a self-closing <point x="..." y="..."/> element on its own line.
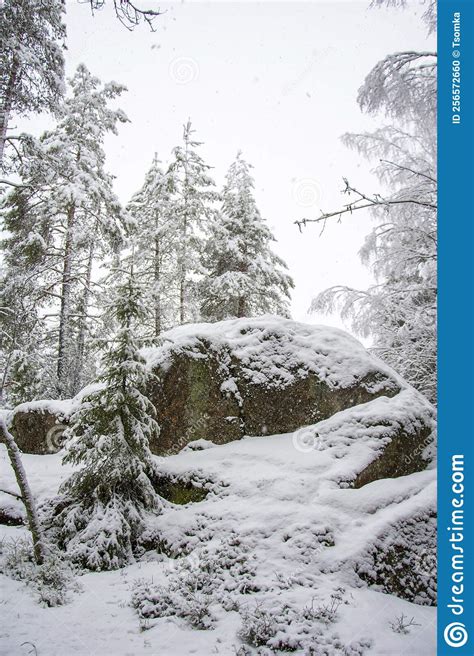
<point x="6" y="104"/>
<point x="157" y="280"/>
<point x="184" y="237"/>
<point x="82" y="310"/>
<point x="241" y="308"/>
<point x="182" y="287"/>
<point x="66" y="282"/>
<point x="39" y="547"/>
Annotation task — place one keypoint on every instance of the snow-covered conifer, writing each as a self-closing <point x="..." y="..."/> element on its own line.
<point x="246" y="278"/>
<point x="104" y="505"/>
<point x="155" y="241"/>
<point x="66" y="211"/>
<point x="194" y="208"/>
<point x="31" y="59"/>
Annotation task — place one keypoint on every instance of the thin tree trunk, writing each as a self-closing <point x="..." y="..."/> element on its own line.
<point x="184" y="236"/>
<point x="83" y="309"/>
<point x="241" y="308"/>
<point x="39" y="548"/>
<point x="6" y="106"/>
<point x="182" y="287"/>
<point x="62" y="363"/>
<point x="157" y="277"/>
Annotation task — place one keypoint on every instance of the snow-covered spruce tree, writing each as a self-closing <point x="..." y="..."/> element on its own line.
<point x="193" y="209"/>
<point x="102" y="509"/>
<point x="245" y="277"/>
<point x="155" y="242"/>
<point x="31" y="60"/>
<point x="400" y="310"/>
<point x="67" y="195"/>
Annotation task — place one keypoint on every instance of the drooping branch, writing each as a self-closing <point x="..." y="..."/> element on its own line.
<point x="362" y="201"/>
<point x="128" y="13"/>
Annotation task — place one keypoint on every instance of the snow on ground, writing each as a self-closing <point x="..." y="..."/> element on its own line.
<point x="300" y="528"/>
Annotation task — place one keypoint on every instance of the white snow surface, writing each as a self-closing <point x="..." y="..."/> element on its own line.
<point x="281" y="495"/>
<point x="274" y="350"/>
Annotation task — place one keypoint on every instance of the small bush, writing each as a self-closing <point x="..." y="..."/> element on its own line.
<point x="402" y="624"/>
<point x="325" y="613"/>
<point x="52" y="581"/>
<point x="258" y="626"/>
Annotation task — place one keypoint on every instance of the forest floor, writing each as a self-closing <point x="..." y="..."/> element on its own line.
<point x="286" y="537"/>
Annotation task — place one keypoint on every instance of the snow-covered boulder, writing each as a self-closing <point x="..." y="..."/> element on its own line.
<point x="260" y="376"/>
<point x="38" y="426"/>
<point x="216" y="383"/>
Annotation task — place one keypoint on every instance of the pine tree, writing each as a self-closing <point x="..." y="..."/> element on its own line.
<point x="155" y="241"/>
<point x="67" y="211"/>
<point x="31" y="59"/>
<point x="104" y="505"/>
<point x="245" y="278"/>
<point x="193" y="210"/>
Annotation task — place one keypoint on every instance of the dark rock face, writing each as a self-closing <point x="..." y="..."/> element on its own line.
<point x="404" y="563"/>
<point x="191" y="405"/>
<point x="38" y="430"/>
<point x="402" y="456"/>
<point x="208" y="393"/>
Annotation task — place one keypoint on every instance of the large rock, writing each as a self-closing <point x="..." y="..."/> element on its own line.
<point x="38" y="426"/>
<point x="264" y="376"/>
<point x="261" y="376"/>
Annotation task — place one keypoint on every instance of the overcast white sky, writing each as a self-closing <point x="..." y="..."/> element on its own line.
<point x="276" y="79"/>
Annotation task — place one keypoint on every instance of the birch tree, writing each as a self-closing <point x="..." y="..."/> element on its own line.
<point x="399" y="311"/>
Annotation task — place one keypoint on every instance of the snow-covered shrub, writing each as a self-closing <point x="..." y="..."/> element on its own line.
<point x="332" y="645"/>
<point x="258" y="625"/>
<point x="177" y="599"/>
<point x="208" y="577"/>
<point x="325" y="613"/>
<point x="17" y="558"/>
<point x="53" y="580"/>
<point x="269" y="624"/>
<point x="403" y="560"/>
